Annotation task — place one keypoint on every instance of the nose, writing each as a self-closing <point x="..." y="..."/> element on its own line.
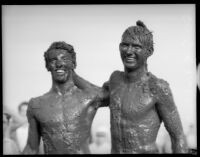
<point x="130" y="50"/>
<point x="59" y="64"/>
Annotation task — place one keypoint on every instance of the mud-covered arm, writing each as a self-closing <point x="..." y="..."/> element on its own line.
<point x="102" y="93"/>
<point x="82" y="83"/>
<point x="169" y="114"/>
<point x="32" y="146"/>
<point x="105" y="101"/>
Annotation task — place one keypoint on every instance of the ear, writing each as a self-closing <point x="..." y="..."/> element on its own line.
<point x="73" y="66"/>
<point x="120" y="50"/>
<point x="47" y="66"/>
<point x="149" y="52"/>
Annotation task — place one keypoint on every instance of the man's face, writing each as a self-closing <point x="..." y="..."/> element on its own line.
<point x="132" y="53"/>
<point x="60" y="64"/>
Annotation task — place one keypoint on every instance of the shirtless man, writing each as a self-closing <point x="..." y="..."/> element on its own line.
<point x="63" y="116"/>
<point x="139" y="101"/>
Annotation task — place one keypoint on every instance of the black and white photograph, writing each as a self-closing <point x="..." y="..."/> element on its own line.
<point x="99" y="79"/>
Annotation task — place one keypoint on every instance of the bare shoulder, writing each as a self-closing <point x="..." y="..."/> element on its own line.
<point x="37" y="101"/>
<point x="116" y="76"/>
<point x="34" y="103"/>
<point x="113" y="78"/>
<point x="159" y="86"/>
<point x="115" y="73"/>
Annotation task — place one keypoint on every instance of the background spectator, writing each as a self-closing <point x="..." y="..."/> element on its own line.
<point x="100" y="142"/>
<point x="22" y="131"/>
<point x="9" y="145"/>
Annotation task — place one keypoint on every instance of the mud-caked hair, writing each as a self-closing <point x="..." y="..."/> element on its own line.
<point x="140" y="32"/>
<point x="62" y="46"/>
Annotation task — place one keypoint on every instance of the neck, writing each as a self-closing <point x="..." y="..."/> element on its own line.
<point x="134" y="75"/>
<point x="62" y="88"/>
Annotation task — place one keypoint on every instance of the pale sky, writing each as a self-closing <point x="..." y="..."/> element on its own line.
<point x="95" y="32"/>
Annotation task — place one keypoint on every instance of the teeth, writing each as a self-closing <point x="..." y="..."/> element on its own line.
<point x="60" y="71"/>
<point x="130" y="58"/>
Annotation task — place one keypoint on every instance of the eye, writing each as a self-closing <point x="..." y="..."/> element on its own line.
<point x="52" y="61"/>
<point x="123" y="46"/>
<point x="64" y="59"/>
<point x="137" y="48"/>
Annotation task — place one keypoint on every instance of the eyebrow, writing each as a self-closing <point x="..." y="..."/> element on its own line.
<point x="134" y="44"/>
<point x="52" y="58"/>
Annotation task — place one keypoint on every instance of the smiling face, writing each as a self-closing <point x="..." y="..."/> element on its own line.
<point x="132" y="53"/>
<point x="136" y="46"/>
<point x="60" y="64"/>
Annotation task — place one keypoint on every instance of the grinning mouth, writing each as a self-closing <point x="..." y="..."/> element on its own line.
<point x="60" y="71"/>
<point x="130" y="59"/>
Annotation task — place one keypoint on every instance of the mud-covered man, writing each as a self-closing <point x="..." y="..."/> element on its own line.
<point x="139" y="101"/>
<point x="63" y="116"/>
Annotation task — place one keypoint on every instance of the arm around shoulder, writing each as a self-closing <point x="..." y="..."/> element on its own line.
<point x="105" y="94"/>
<point x="104" y="97"/>
<point x="82" y="83"/>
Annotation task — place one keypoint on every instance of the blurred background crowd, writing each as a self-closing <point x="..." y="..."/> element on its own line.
<point x="15" y="130"/>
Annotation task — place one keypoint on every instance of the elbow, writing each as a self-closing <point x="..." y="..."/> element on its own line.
<point x="179" y="144"/>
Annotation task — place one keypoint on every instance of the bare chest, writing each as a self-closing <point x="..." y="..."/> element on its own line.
<point x="130" y="100"/>
<point x="63" y="110"/>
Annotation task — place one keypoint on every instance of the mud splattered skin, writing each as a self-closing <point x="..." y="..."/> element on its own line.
<point x="137" y="110"/>
<point x="63" y="121"/>
<point x="63" y="116"/>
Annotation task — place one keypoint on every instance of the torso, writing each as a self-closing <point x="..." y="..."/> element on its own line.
<point x="65" y="121"/>
<point x="134" y="120"/>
